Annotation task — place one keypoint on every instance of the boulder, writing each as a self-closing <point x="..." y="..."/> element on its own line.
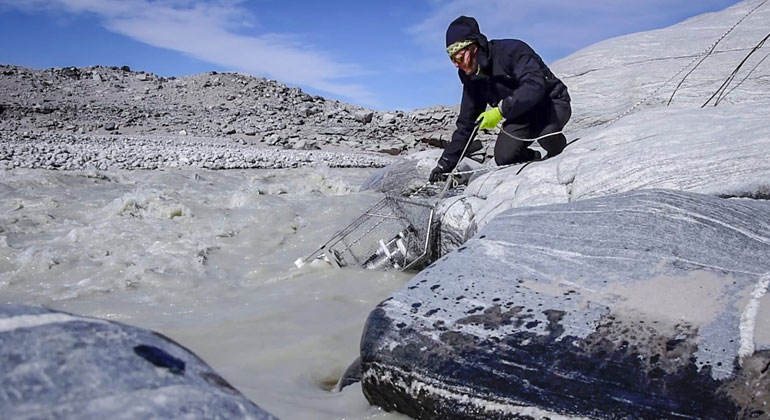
<point x="363" y="116"/>
<point x="457" y="223"/>
<point x="647" y="304"/>
<point x="274" y="139"/>
<point x="389" y="118"/>
<point x="403" y="177"/>
<point x="305" y="145"/>
<point x="339" y="131"/>
<point x="55" y="365"/>
<point x="70" y="73"/>
<point x="390" y="150"/>
<point x="437" y="139"/>
<point x="408" y="139"/>
<point x="306" y="110"/>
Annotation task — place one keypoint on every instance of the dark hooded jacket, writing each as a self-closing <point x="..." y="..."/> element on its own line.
<point x="512" y="77"/>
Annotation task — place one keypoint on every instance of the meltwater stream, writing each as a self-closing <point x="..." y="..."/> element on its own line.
<point x="205" y="257"/>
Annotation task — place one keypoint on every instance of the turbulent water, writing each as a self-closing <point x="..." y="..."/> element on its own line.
<point x="205" y="257"/>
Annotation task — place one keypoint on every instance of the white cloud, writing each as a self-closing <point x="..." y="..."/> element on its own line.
<point x="214" y="31"/>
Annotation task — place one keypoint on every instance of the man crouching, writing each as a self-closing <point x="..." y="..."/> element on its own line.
<point x="509" y="76"/>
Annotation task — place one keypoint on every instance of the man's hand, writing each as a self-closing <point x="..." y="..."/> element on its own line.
<point x="437" y="174"/>
<point x="490" y="119"/>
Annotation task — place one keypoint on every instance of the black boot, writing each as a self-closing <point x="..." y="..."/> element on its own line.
<point x="474" y="147"/>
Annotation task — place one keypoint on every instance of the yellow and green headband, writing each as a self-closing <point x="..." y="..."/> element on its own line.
<point x="457" y="46"/>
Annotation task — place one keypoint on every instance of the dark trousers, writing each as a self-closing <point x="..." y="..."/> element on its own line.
<point x="548" y="118"/>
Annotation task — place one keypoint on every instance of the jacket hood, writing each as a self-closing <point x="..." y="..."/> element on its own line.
<point x="465" y="28"/>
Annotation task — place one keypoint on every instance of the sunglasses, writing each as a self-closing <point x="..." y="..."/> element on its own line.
<point x="459" y="56"/>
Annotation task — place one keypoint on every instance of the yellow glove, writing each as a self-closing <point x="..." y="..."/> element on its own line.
<point x="490" y="119"/>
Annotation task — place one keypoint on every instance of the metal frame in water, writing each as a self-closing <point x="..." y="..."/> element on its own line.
<point x="394" y="233"/>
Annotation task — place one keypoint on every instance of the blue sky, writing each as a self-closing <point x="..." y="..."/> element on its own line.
<point x="385" y="55"/>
